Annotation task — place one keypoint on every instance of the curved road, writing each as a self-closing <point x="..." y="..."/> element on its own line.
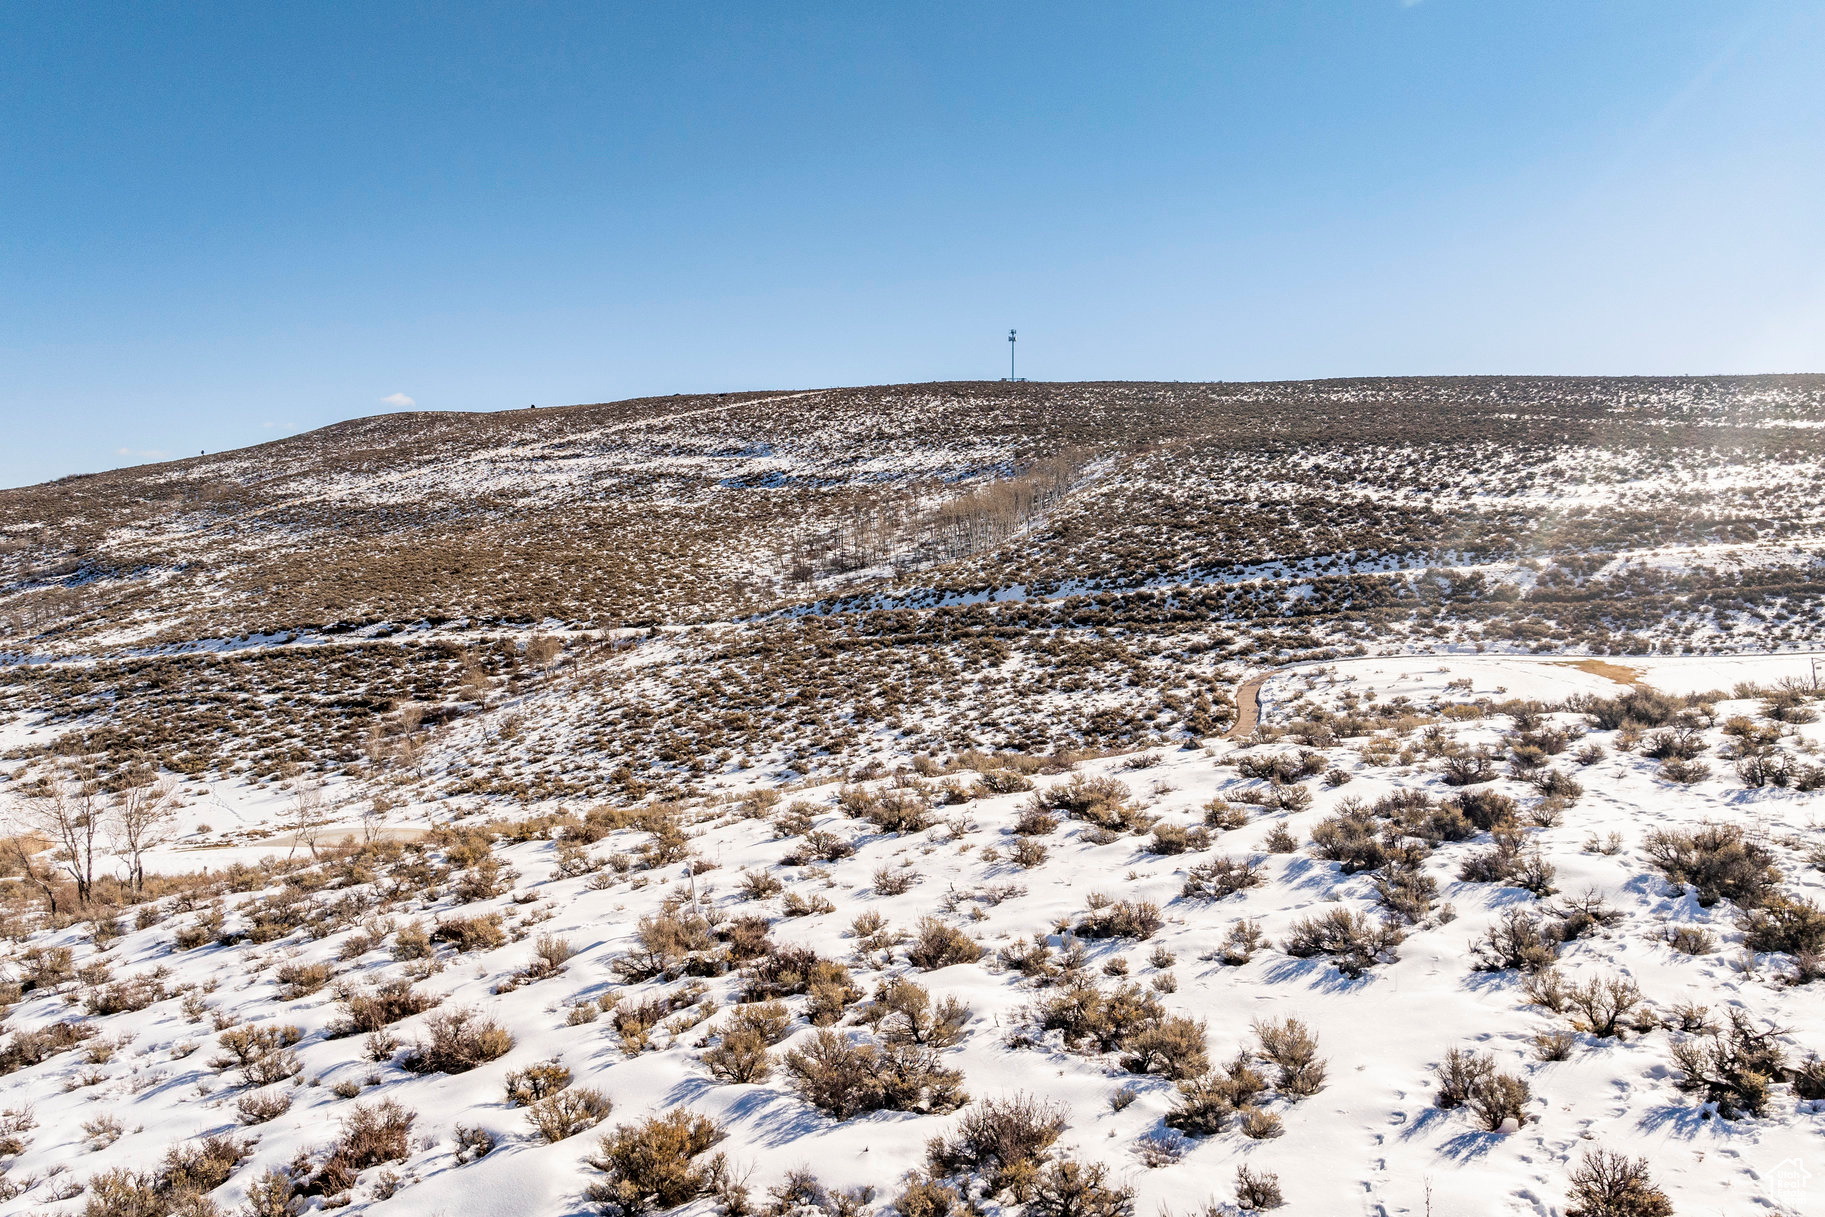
<point x="1248" y="705"/>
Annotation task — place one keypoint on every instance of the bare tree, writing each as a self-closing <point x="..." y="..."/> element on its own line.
<point x="303" y="817"/>
<point x="21" y="844"/>
<point x="142" y="817"/>
<point x="376" y="747"/>
<point x="68" y="811"/>
<point x="374" y="817"/>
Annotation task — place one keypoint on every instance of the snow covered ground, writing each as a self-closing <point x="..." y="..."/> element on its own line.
<point x="1370" y="1141"/>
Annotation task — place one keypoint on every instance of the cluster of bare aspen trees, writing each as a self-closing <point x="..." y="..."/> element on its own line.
<point x="910" y="532"/>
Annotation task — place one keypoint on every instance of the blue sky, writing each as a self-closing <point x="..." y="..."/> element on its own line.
<point x="224" y="223"/>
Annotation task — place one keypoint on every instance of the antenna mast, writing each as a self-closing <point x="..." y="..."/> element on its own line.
<point x="1011" y="355"/>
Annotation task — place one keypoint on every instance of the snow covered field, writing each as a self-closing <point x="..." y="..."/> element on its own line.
<point x="1371" y="1140"/>
<point x="863" y="771"/>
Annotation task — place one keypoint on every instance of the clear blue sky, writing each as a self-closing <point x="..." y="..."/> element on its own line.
<point x="224" y="223"/>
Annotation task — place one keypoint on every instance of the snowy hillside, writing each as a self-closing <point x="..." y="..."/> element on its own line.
<point x="1051" y="800"/>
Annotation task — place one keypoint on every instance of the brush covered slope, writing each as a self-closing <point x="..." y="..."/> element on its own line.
<point x="1430" y="967"/>
<point x="786" y="580"/>
<point x="855" y="801"/>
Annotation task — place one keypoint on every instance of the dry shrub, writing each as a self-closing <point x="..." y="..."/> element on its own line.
<point x="1174" y="1047"/>
<point x="1486" y="810"/>
<point x="199" y="1166"/>
<point x="456" y="1041"/>
<point x="1027" y="853"/>
<point x="567" y="1113"/>
<point x="537" y="1081"/>
<point x="1137" y="919"/>
<point x="740" y="1057"/>
<point x="1034" y="821"/>
<point x="903" y="1012"/>
<point x="1102" y="801"/>
<point x="180" y="1186"/>
<point x="1718" y="860"/>
<point x="1259" y="1124"/>
<point x="634" y="1019"/>
<point x="1518" y="941"/>
<point x="372" y="1134"/>
<point x="1733" y="1066"/>
<point x="668" y="943"/>
<point x="1239" y="943"/>
<point x="1069" y="1188"/>
<point x="1098" y="1020"/>
<point x="793" y="970"/>
<point x="1793" y="926"/>
<point x="1560" y="788"/>
<point x="924" y="1196"/>
<point x="1177" y="839"/>
<point x="1467" y="768"/>
<point x="370" y="1012"/>
<point x="1639" y="707"/>
<point x="301" y="979"/>
<point x="819" y="846"/>
<point x="1547" y="988"/>
<point x="1003" y="1141"/>
<point x="272" y="1194"/>
<point x="1220" y="877"/>
<point x="261" y="1054"/>
<point x="259" y="1106"/>
<point x="902" y="811"/>
<point x="758" y="885"/>
<point x="550" y="953"/>
<point x="1352" y="838"/>
<point x="1002" y="781"/>
<point x="1459" y="1074"/>
<point x="1224" y="817"/>
<point x="1605" y="1184"/>
<point x="744" y="938"/>
<point x="1353" y="942"/>
<point x="1512" y="861"/>
<point x="770" y="1020"/>
<point x="1583" y="914"/>
<point x="938" y="945"/>
<point x="844" y="1077"/>
<point x="1205" y="1104"/>
<point x="1287" y="798"/>
<point x="1293" y="1050"/>
<point x="479" y="882"/>
<point x="894" y="881"/>
<point x="472" y="1142"/>
<point x="1280" y="769"/>
<point x="654" y="1164"/>
<point x="801" y="1194"/>
<point x="1405" y="891"/>
<point x="1600" y="1004"/>
<point x="124" y="996"/>
<point x="1787" y="704"/>
<point x="411" y="941"/>
<point x="471" y="933"/>
<point x="1495" y="1098"/>
<point x="1257" y="1190"/>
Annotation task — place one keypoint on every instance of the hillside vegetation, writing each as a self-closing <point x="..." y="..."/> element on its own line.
<point x="851" y="802"/>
